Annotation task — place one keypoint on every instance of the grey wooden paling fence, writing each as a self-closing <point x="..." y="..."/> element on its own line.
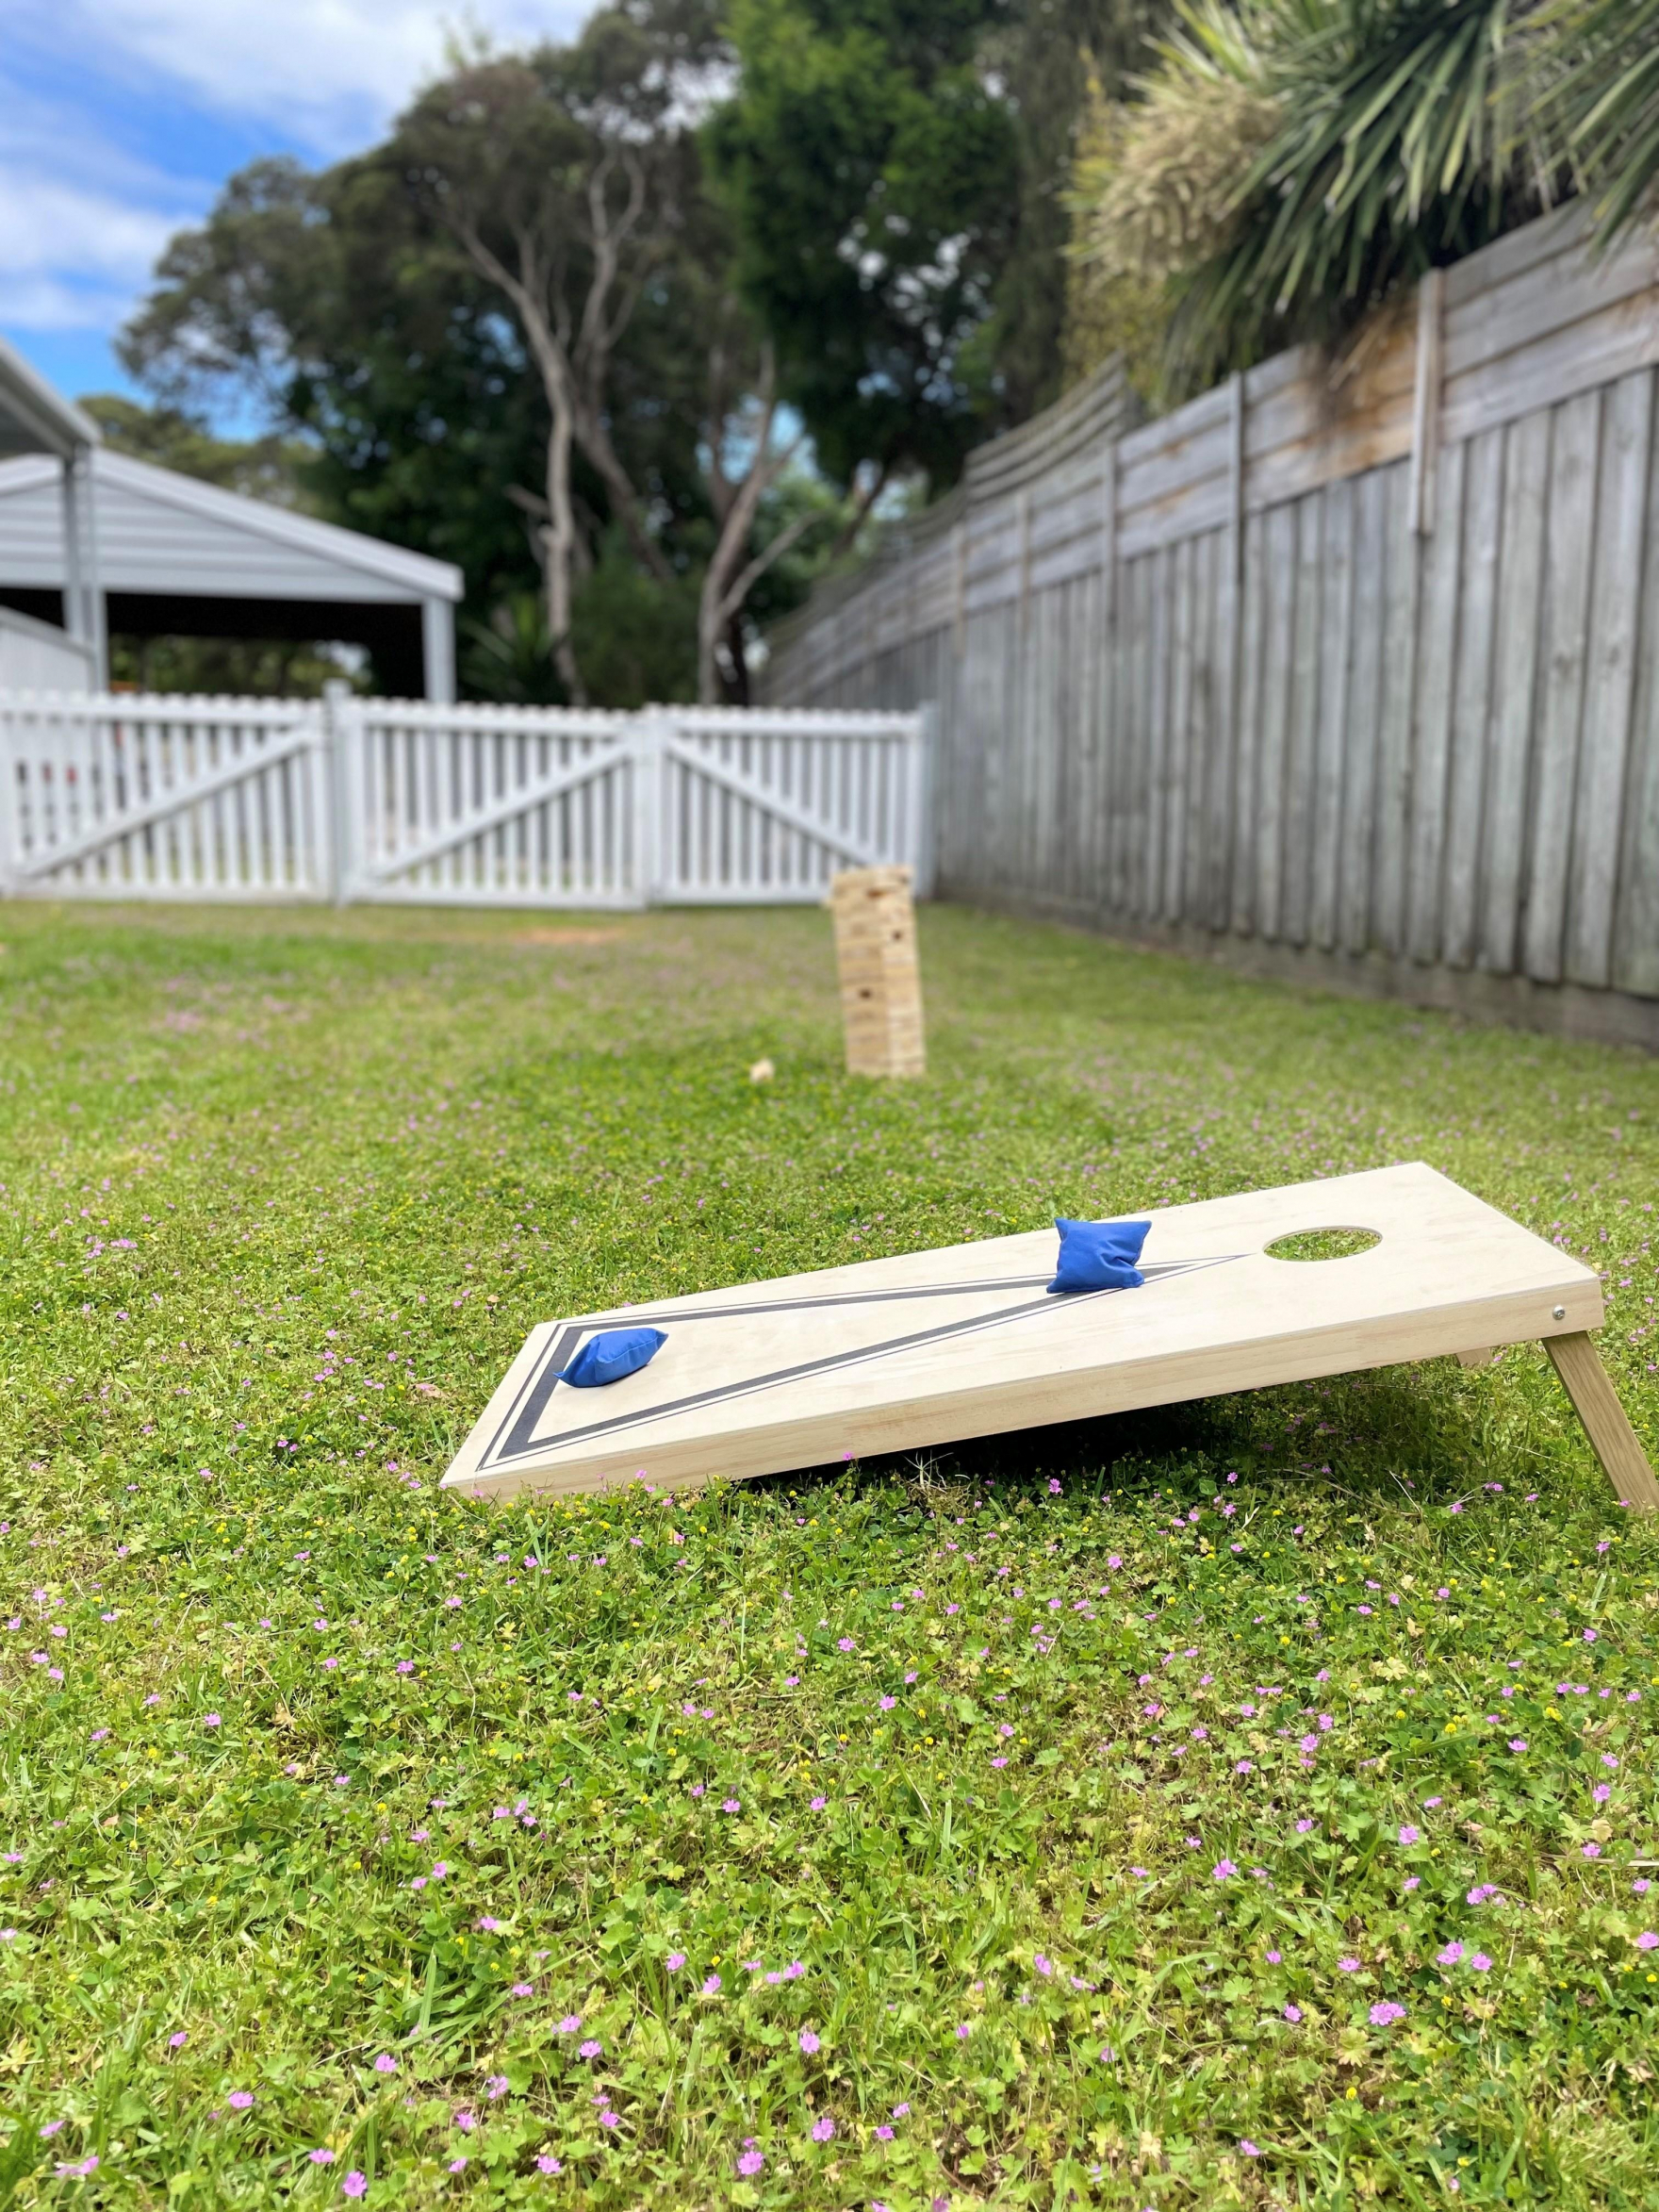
<point x="1345" y="671"/>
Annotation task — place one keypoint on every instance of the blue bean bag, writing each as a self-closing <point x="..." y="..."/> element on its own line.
<point x="611" y="1355"/>
<point x="1099" y="1255"/>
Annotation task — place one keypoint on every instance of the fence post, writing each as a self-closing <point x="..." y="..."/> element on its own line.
<point x="923" y="748"/>
<point x="647" y="767"/>
<point x="11" y="840"/>
<point x="1425" y="404"/>
<point x="336" y="784"/>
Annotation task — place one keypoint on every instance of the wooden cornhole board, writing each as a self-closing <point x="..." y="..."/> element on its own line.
<point x="930" y="1348"/>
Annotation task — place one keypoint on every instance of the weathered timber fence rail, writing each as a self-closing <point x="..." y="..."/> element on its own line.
<point x="126" y="797"/>
<point x="1350" y="673"/>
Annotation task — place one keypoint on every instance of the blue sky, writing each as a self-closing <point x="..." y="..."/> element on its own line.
<point x="120" y="119"/>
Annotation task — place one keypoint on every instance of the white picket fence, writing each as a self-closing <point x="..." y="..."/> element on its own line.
<point x="344" y="799"/>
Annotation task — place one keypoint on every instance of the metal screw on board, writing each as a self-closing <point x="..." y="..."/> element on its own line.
<point x="1558" y="1313"/>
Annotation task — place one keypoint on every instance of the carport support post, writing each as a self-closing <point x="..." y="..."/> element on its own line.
<point x="83" y="598"/>
<point x="437" y="651"/>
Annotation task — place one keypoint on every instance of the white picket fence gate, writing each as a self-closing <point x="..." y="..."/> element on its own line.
<point x="344" y="799"/>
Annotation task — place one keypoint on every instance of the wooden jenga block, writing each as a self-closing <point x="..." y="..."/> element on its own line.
<point x="880" y="982"/>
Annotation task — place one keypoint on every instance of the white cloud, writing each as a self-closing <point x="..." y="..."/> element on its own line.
<point x="71" y="257"/>
<point x="327" y="73"/>
<point x="199" y="84"/>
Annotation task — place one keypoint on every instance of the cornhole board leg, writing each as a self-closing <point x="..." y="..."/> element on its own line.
<point x="1575" y="1359"/>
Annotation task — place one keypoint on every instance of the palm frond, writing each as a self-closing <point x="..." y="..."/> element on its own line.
<point x="1604" y="101"/>
<point x="1398" y="148"/>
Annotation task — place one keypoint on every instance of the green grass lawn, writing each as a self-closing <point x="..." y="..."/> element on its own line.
<point x="1246" y="1802"/>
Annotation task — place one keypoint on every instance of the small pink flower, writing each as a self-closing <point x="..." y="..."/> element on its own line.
<point x="749" y="2163"/>
<point x="674" y="1961"/>
<point x="323" y="2156"/>
<point x="385" y="2063"/>
<point x="824" y="2130"/>
<point x="1648" y="1940"/>
<point x="355" y="2184"/>
<point x="239" y="2100"/>
<point x="809" y="2042"/>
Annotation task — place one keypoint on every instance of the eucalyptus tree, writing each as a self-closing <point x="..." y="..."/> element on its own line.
<point x="560" y="176"/>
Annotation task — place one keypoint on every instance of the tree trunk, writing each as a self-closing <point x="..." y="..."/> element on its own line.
<point x="558" y="543"/>
<point x="595" y="440"/>
<point x="711" y="620"/>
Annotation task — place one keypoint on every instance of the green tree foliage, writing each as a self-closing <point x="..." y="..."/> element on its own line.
<point x="510" y="336"/>
<point x="271" y="468"/>
<point x="870" y="171"/>
<point x="315" y="297"/>
<point x="558" y="179"/>
<point x="1059" y="61"/>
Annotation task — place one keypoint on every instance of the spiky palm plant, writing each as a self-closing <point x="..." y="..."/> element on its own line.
<point x="1406" y="138"/>
<point x="1602" y="99"/>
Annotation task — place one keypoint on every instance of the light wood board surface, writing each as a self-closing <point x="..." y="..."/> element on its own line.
<point x="930" y="1347"/>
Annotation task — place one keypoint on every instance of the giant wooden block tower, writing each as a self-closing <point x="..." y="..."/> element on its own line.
<point x="881" y="983"/>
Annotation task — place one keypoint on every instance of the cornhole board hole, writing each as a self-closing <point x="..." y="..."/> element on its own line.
<point x="931" y="1347"/>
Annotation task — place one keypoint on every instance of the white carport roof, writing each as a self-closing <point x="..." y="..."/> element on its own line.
<point x="33" y="418"/>
<point x="160" y="532"/>
<point x="177" y="557"/>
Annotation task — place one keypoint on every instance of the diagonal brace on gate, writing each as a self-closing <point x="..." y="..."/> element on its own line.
<point x="395" y="859"/>
<point x="856" y="851"/>
<point x="166" y="804"/>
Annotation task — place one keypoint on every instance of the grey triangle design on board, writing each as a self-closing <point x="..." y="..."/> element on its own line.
<point x="517" y="1439"/>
